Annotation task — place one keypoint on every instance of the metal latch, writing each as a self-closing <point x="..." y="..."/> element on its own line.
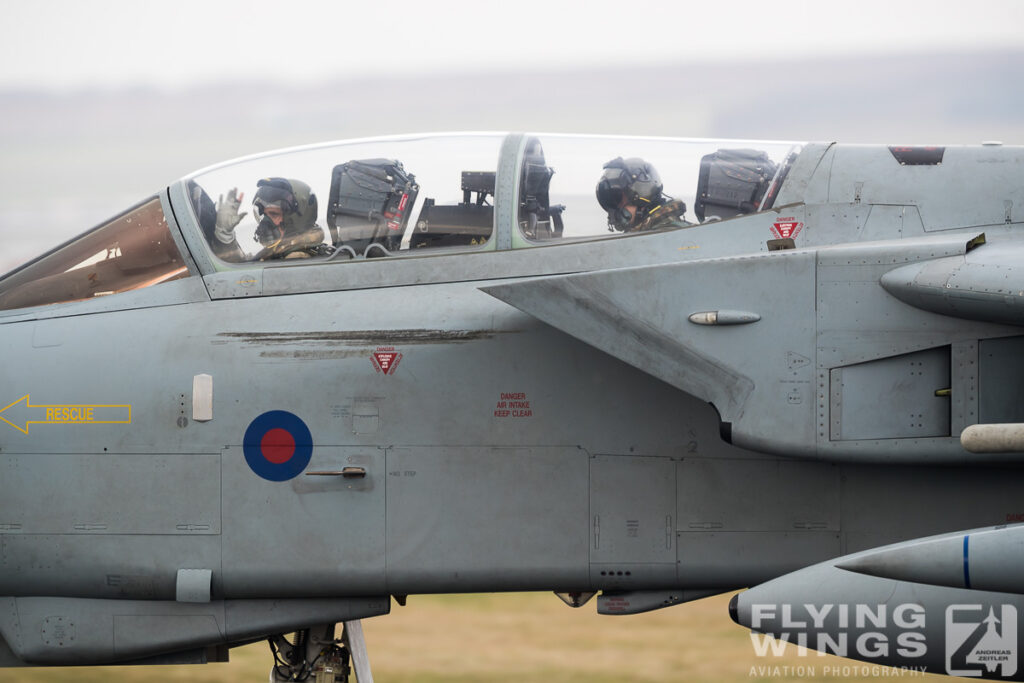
<point x="347" y="472"/>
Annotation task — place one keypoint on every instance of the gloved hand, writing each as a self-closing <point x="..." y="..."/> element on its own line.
<point x="228" y="215"/>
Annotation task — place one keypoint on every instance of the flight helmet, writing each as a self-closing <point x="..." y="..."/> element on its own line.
<point x="297" y="203"/>
<point x="624" y="182"/>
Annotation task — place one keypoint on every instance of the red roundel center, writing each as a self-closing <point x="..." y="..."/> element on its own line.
<point x="277" y="445"/>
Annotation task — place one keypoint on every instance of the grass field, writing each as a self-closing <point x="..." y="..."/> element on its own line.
<point x="528" y="638"/>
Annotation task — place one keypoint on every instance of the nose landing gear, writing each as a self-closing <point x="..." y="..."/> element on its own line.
<point x="317" y="656"/>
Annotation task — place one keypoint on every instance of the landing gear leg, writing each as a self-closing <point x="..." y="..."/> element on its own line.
<point x="356" y="644"/>
<point x="316" y="655"/>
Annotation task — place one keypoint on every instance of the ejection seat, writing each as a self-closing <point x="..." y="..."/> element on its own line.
<point x="732" y="182"/>
<point x="538" y="220"/>
<point x="369" y="206"/>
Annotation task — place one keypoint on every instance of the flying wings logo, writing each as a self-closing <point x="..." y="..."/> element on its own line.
<point x="980" y="640"/>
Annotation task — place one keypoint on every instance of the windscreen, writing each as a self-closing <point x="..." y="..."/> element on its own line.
<point x="133" y="251"/>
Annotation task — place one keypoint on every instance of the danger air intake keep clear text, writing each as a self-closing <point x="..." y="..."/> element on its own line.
<point x="513" y="404"/>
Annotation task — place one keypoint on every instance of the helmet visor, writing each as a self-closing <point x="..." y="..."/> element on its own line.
<point x="611" y="189"/>
<point x="276" y="192"/>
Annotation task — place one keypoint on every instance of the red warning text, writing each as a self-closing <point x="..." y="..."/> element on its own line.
<point x="513" y="404"/>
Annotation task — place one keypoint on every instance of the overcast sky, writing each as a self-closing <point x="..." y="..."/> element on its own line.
<point x="58" y="44"/>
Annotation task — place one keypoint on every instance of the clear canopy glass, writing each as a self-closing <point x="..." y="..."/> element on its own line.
<point x="371" y="198"/>
<point x="713" y="179"/>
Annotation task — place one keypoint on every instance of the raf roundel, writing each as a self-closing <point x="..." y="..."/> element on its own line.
<point x="277" y="445"/>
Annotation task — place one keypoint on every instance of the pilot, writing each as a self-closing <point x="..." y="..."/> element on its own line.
<point x="285" y="210"/>
<point x="630" y="190"/>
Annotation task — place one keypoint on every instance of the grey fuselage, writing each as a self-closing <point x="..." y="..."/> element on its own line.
<point x="501" y="453"/>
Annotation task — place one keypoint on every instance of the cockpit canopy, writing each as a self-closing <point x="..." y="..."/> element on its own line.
<point x="399" y="196"/>
<point x="403" y="196"/>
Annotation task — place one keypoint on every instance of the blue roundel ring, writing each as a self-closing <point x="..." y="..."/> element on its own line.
<point x="277" y="445"/>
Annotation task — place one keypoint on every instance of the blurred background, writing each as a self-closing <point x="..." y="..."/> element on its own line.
<point x="103" y="103"/>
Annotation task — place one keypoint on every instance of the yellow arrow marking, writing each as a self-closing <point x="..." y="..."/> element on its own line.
<point x="73" y="413"/>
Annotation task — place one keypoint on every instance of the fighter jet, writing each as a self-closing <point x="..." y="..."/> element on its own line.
<point x="285" y="390"/>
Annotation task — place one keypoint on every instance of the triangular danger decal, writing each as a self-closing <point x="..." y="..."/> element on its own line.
<point x="786" y="228"/>
<point x="385" y="359"/>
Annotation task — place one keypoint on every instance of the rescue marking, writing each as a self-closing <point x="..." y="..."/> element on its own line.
<point x="277" y="445"/>
<point x="385" y="359"/>
<point x="785" y="228"/>
<point x="513" y="404"/>
<point x="72" y="413"/>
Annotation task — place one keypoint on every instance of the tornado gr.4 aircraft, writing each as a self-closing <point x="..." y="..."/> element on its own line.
<point x="283" y="390"/>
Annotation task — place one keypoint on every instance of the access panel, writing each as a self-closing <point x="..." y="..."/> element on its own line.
<point x="900" y="397"/>
<point x="480" y="518"/>
<point x="783" y="512"/>
<point x="325" y="524"/>
<point x="632" y="508"/>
